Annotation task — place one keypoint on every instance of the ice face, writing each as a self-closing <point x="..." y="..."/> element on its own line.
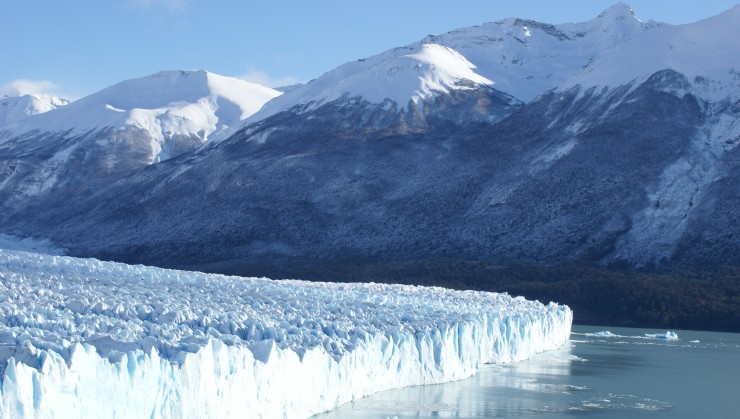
<point x="87" y="338"/>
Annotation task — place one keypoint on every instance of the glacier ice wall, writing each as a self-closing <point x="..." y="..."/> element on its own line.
<point x="84" y="338"/>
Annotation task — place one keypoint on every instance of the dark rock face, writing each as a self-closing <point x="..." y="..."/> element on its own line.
<point x="612" y="176"/>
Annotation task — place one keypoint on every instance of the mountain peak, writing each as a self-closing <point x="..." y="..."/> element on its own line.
<point x="619" y="19"/>
<point x="413" y="73"/>
<point x="179" y="74"/>
<point x="619" y="10"/>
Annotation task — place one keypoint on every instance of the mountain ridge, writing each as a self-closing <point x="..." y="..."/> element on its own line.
<point x="166" y="104"/>
<point x="493" y="51"/>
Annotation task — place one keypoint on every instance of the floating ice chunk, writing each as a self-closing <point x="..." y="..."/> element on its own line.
<point x="602" y="334"/>
<point x="605" y="334"/>
<point x="667" y="335"/>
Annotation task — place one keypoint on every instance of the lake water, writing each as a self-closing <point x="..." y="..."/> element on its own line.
<point x="596" y="375"/>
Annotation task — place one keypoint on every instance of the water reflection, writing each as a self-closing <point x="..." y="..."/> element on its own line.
<point x="495" y="391"/>
<point x="624" y="374"/>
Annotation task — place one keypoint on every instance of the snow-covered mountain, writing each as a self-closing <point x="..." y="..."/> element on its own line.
<point x="177" y="110"/>
<point x="522" y="58"/>
<point x="16" y="108"/>
<point x="525" y="58"/>
<point x="610" y="141"/>
<point x="125" y="127"/>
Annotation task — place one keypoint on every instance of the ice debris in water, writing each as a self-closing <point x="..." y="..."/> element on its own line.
<point x="667" y="335"/>
<point x="81" y="337"/>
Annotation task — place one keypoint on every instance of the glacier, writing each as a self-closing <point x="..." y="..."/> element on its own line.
<point x="86" y="338"/>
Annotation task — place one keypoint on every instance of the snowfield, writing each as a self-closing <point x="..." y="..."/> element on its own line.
<point x="85" y="338"/>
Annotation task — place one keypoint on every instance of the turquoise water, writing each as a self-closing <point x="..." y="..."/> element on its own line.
<point x="594" y="376"/>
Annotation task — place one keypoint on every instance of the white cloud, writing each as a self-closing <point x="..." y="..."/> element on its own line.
<point x="167" y="4"/>
<point x="22" y="87"/>
<point x="260" y="77"/>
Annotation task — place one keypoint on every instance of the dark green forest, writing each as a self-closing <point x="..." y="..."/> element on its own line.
<point x="700" y="300"/>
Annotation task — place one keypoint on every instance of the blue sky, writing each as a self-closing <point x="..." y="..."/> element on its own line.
<point x="74" y="48"/>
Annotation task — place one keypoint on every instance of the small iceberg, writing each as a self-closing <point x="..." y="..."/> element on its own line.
<point x="665" y="336"/>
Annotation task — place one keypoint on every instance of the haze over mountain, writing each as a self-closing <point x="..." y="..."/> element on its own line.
<point x="611" y="141"/>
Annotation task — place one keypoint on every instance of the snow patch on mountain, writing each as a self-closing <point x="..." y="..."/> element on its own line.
<point x="441" y="69"/>
<point x="97" y="339"/>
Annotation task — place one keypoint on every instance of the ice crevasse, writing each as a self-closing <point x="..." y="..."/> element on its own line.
<point x="85" y="338"/>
